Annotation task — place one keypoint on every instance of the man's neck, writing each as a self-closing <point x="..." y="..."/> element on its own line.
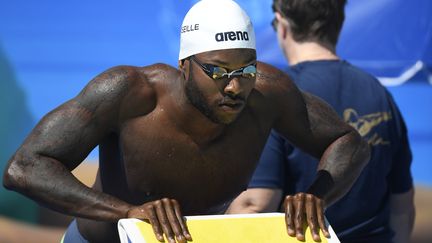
<point x="198" y="127"/>
<point x="308" y="51"/>
<point x="193" y="122"/>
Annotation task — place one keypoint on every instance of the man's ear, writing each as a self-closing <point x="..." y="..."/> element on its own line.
<point x="286" y="28"/>
<point x="181" y="65"/>
<point x="182" y="68"/>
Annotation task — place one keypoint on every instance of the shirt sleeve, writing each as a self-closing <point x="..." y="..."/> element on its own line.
<point x="270" y="171"/>
<point x="400" y="178"/>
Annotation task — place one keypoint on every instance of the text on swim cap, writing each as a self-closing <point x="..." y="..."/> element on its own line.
<point x="187" y="28"/>
<point x="232" y="36"/>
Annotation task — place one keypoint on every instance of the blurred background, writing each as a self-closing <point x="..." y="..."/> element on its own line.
<point x="50" y="49"/>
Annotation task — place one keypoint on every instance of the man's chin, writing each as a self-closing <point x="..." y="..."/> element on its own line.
<point x="227" y="119"/>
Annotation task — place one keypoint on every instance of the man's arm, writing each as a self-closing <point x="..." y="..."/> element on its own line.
<point x="343" y="154"/>
<point x="256" y="200"/>
<point x="313" y="126"/>
<point x="316" y="128"/>
<point x="402" y="215"/>
<point x="41" y="168"/>
<point x="402" y="209"/>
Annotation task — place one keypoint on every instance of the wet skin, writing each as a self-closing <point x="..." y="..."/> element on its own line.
<point x="161" y="157"/>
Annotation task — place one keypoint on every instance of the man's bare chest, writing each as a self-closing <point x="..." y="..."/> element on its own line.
<point x="160" y="159"/>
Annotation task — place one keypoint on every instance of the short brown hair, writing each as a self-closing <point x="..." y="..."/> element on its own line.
<point x="313" y="20"/>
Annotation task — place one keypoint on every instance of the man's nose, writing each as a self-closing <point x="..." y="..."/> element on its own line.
<point x="233" y="88"/>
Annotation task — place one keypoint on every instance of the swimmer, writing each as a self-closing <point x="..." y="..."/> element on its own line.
<point x="182" y="141"/>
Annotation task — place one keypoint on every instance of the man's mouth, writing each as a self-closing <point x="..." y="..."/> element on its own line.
<point x="237" y="105"/>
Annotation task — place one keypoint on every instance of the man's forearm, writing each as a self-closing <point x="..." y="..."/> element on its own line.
<point x="50" y="183"/>
<point x="339" y="167"/>
<point x="402" y="215"/>
<point x="256" y="200"/>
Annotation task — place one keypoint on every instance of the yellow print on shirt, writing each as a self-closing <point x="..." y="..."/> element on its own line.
<point x="365" y="124"/>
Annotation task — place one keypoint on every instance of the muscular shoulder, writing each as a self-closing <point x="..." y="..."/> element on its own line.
<point x="276" y="87"/>
<point x="113" y="85"/>
<point x="275" y="93"/>
<point x="123" y="92"/>
<point x="272" y="81"/>
<point x="158" y="73"/>
<point x="127" y="78"/>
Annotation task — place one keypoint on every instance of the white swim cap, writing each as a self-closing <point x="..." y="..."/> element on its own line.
<point x="215" y="25"/>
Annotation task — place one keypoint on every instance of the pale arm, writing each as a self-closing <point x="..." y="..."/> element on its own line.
<point x="256" y="200"/>
<point x="402" y="215"/>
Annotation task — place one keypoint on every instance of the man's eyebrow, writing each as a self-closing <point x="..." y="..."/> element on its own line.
<point x="226" y="64"/>
<point x="220" y="63"/>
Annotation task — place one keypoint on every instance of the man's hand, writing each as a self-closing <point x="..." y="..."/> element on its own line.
<point x="303" y="208"/>
<point x="165" y="217"/>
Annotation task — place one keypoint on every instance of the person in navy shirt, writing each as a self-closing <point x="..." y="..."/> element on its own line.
<point x="379" y="207"/>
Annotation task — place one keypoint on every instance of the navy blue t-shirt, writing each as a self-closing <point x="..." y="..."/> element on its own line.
<point x="363" y="214"/>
